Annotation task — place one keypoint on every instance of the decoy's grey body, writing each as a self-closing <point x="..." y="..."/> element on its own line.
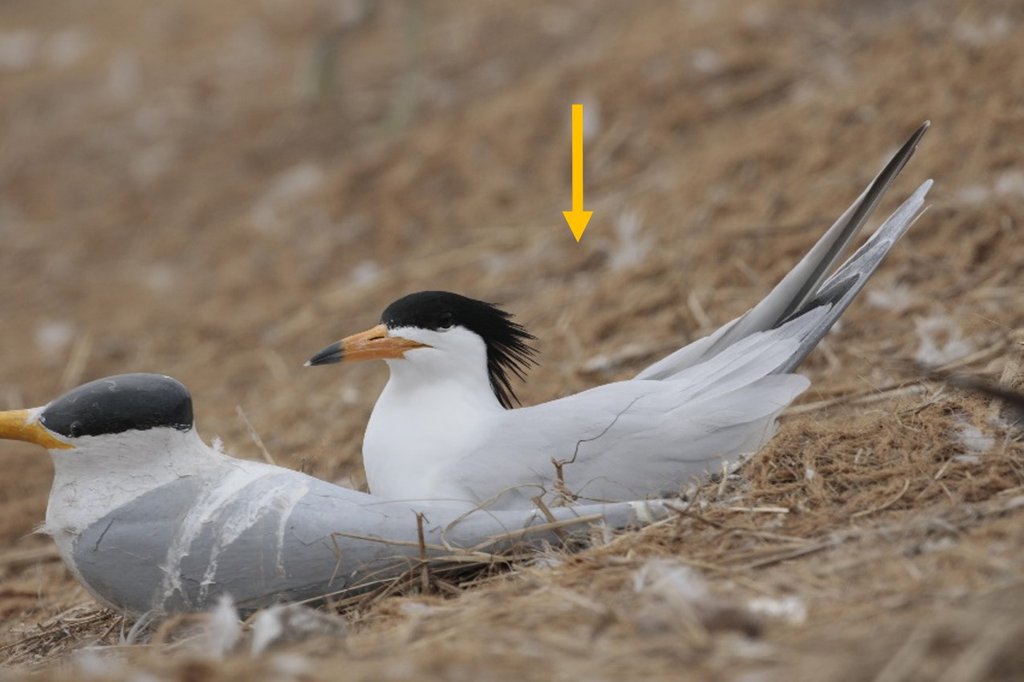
<point x="442" y="429"/>
<point x="150" y="519"/>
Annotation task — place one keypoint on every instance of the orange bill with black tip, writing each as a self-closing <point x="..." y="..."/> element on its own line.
<point x="373" y="344"/>
<point x="22" y="425"/>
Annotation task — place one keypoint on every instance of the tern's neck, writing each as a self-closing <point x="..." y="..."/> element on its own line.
<point x="423" y="387"/>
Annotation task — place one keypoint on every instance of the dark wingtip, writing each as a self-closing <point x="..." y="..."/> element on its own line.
<point x="900" y="158"/>
<point x="919" y="133"/>
<point x="327" y="356"/>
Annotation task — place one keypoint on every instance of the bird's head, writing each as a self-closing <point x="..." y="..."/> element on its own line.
<point x="99" y="410"/>
<point x="443" y="333"/>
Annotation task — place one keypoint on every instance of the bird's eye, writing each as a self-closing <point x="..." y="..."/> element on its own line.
<point x="75" y="429"/>
<point x="445" y="321"/>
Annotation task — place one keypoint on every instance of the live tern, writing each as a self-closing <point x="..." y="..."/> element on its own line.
<point x="444" y="427"/>
<point x="151" y="520"/>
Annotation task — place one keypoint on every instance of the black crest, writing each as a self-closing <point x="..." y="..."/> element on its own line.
<point x="125" y="402"/>
<point x="508" y="344"/>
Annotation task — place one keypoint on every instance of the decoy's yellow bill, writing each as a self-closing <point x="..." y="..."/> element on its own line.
<point x="20" y="425"/>
<point x="373" y="344"/>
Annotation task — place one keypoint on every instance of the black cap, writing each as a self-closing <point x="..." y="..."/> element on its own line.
<point x="508" y="347"/>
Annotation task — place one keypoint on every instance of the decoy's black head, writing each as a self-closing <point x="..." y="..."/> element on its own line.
<point x="509" y="352"/>
<point x="126" y="402"/>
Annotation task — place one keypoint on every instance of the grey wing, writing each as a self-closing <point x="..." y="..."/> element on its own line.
<point x="803" y="284"/>
<point x="638" y="438"/>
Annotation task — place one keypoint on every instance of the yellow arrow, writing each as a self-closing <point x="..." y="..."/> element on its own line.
<point x="577" y="217"/>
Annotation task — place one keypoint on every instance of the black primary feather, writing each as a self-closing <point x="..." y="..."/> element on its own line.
<point x="508" y="344"/>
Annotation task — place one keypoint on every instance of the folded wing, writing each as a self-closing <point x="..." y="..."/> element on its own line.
<point x="637" y="438"/>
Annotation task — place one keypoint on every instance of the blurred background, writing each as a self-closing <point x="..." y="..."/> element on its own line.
<point x="216" y="190"/>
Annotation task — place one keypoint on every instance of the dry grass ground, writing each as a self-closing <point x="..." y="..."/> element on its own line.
<point x="216" y="190"/>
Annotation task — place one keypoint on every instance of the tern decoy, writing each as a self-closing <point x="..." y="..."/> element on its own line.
<point x="444" y="427"/>
<point x="151" y="520"/>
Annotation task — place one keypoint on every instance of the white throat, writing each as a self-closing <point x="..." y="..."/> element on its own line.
<point x="438" y="401"/>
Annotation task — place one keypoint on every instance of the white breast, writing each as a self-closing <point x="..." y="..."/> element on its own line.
<point x="415" y="435"/>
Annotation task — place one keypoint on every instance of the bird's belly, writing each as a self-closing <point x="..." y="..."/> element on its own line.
<point x="397" y="466"/>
